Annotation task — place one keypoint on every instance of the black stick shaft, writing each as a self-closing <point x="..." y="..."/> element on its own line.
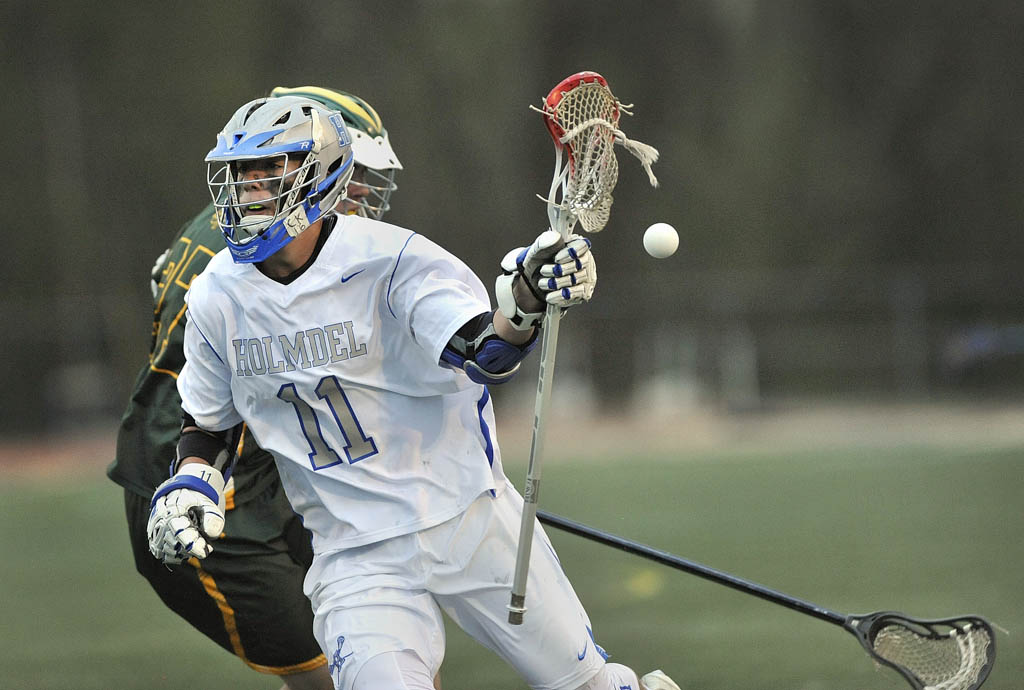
<point x="679" y="563"/>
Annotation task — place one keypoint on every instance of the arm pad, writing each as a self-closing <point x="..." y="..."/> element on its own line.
<point x="215" y="447"/>
<point x="486" y="358"/>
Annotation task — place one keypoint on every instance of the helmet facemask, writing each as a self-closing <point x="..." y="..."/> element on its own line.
<point x="373" y="190"/>
<point x="250" y="212"/>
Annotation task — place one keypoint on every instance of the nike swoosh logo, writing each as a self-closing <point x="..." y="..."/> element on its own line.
<point x="584" y="652"/>
<point x="345" y="279"/>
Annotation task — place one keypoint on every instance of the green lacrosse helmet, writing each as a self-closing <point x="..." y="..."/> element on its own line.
<point x="370" y="144"/>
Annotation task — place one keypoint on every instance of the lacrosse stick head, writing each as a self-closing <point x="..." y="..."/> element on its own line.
<point x="582" y="116"/>
<point x="946" y="654"/>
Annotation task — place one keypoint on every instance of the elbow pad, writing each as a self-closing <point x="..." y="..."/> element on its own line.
<point x="485" y="357"/>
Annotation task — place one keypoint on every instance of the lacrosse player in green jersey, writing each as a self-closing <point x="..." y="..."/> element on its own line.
<point x="247" y="595"/>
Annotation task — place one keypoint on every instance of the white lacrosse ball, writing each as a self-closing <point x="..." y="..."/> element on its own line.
<point x="661" y="240"/>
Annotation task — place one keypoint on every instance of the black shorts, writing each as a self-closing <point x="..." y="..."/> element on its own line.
<point x="247" y="595"/>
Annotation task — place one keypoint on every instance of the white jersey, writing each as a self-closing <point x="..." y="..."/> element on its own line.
<point x="338" y="375"/>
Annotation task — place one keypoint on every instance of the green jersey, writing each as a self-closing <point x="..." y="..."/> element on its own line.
<point x="149" y="428"/>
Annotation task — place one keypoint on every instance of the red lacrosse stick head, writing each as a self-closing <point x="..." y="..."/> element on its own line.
<point x="554" y="97"/>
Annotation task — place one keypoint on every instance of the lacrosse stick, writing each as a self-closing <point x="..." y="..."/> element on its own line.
<point x="582" y="117"/>
<point x="945" y="654"/>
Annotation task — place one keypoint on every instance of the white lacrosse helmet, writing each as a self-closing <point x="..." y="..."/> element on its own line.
<point x="288" y="129"/>
<point x="370" y="145"/>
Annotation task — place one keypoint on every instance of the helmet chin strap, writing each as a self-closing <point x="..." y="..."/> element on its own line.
<point x="253" y="225"/>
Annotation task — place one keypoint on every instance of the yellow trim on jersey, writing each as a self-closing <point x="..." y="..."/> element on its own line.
<point x="172" y="374"/>
<point x="241" y="441"/>
<point x="173" y="273"/>
<point x="229" y="495"/>
<point x="167" y="338"/>
<point x="229" y="499"/>
<point x="231" y="626"/>
<point x="226" y="612"/>
<point x="165" y="283"/>
<point x="181" y="271"/>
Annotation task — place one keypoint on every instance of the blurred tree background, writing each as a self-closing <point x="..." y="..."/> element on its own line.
<point x="846" y="177"/>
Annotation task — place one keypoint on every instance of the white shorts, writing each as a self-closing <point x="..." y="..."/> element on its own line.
<point x="388" y="597"/>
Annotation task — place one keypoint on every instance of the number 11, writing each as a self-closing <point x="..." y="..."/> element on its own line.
<point x="357" y="445"/>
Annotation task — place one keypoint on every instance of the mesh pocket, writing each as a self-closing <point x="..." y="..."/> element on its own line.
<point x="588" y="114"/>
<point x="943" y="657"/>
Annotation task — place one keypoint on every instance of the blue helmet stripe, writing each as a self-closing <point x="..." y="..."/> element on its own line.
<point x="254" y="146"/>
<point x="333" y="177"/>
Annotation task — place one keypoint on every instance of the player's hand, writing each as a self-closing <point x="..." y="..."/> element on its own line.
<point x="549" y="271"/>
<point x="571" y="276"/>
<point x="187" y="512"/>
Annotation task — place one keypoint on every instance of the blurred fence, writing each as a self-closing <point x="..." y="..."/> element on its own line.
<point x="67" y="362"/>
<point x="735" y="339"/>
<point x="738" y="339"/>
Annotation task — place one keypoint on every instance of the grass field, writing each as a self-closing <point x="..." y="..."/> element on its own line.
<point x="931" y="531"/>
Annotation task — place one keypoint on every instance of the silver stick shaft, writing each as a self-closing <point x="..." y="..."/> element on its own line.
<point x="531" y="492"/>
<point x="562" y="222"/>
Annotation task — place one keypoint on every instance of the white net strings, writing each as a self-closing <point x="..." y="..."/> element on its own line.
<point x="588" y="114"/>
<point x="952" y="661"/>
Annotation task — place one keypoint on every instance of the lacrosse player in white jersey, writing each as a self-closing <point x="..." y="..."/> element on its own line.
<point x="359" y="354"/>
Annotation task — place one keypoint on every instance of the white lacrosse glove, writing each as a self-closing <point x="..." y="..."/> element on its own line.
<point x="557" y="272"/>
<point x="187" y="512"/>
